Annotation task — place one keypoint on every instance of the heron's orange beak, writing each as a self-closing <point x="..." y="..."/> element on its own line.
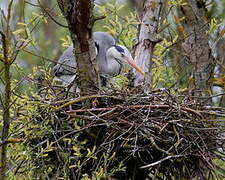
<point x="131" y="62"/>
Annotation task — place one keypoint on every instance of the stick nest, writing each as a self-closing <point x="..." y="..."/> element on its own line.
<point x="125" y="136"/>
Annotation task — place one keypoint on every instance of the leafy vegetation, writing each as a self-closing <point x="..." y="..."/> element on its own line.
<point x="44" y="142"/>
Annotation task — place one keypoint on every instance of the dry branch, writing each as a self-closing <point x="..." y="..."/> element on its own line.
<point x="159" y="134"/>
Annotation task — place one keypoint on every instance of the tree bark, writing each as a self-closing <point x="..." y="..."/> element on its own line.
<point x="196" y="46"/>
<point x="148" y="14"/>
<point x="80" y="19"/>
<point x="7" y="61"/>
<point x="6" y="107"/>
<point x="218" y="47"/>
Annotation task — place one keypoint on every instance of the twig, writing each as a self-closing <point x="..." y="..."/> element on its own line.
<point x="99" y="18"/>
<point x="6" y="141"/>
<point x="91" y="110"/>
<point x="79" y="130"/>
<point x="157" y="147"/>
<point x="48" y="59"/>
<point x="160" y="161"/>
<point x="164" y="106"/>
<point x="213" y="113"/>
<point x="83" y="98"/>
<point x="53" y="19"/>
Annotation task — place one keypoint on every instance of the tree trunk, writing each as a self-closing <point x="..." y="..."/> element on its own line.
<point x="80" y="19"/>
<point x="148" y="13"/>
<point x="6" y="106"/>
<point x="196" y="46"/>
<point x="7" y="62"/>
<point x="218" y="49"/>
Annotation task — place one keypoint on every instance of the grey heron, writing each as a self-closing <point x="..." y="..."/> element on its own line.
<point x="110" y="59"/>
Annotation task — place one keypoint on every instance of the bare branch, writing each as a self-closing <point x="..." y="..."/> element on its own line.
<point x="160" y="161"/>
<point x="49" y="15"/>
<point x="99" y="18"/>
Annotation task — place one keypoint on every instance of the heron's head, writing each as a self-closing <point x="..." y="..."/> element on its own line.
<point x="123" y="56"/>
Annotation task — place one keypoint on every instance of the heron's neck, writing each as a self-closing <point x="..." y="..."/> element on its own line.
<point x="111" y="66"/>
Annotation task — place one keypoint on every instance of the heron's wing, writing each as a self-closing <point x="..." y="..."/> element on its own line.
<point x="65" y="80"/>
<point x="66" y="64"/>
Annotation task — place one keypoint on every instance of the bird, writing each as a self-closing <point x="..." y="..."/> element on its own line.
<point x="110" y="59"/>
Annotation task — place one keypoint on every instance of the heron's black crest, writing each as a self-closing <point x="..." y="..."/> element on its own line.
<point x="118" y="48"/>
<point x="97" y="46"/>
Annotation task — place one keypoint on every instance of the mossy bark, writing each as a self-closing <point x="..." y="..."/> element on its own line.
<point x="196" y="46"/>
<point x="80" y="19"/>
<point x="148" y="14"/>
<point x="6" y="106"/>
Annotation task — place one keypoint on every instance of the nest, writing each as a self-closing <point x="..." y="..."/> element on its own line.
<point x="125" y="136"/>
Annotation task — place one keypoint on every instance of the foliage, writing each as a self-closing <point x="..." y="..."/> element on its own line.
<point x="46" y="142"/>
<point x="96" y="145"/>
<point x="122" y="27"/>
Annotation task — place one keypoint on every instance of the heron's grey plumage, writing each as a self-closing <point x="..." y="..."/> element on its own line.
<point x="109" y="59"/>
<point x="66" y="64"/>
<point x="104" y="41"/>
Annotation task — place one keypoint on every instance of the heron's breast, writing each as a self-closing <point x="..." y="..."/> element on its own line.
<point x="110" y="70"/>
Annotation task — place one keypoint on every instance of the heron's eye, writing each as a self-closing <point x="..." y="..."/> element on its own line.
<point x="122" y="55"/>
